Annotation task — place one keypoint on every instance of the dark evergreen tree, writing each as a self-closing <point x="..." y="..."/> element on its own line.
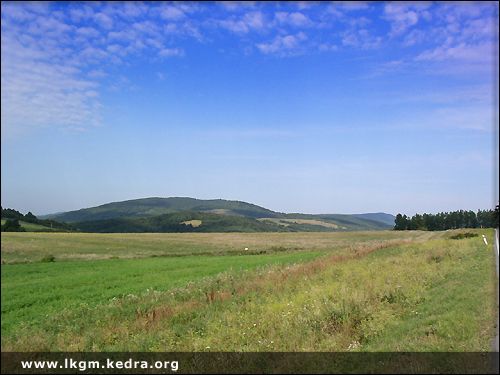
<point x="448" y="220"/>
<point x="30" y="218"/>
<point x="12" y="225"/>
<point x="400" y="223"/>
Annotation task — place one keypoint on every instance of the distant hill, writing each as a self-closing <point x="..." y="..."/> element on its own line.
<point x="184" y="221"/>
<point x="181" y="214"/>
<point x="381" y="217"/>
<point x="148" y="207"/>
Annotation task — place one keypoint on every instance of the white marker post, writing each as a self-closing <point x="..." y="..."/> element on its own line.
<point x="484" y="240"/>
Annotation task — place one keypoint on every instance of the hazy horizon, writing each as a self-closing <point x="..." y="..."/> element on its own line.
<point x="296" y="107"/>
<point x="411" y="213"/>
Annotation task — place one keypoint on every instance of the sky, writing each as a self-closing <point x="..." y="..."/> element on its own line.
<point x="324" y="107"/>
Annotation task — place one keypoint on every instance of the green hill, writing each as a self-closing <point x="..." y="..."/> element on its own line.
<point x="179" y="214"/>
<point x="148" y="207"/>
<point x="381" y="217"/>
<point x="185" y="221"/>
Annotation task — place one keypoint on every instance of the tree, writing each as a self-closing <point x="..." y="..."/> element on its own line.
<point x="401" y="222"/>
<point x="12" y="225"/>
<point x="417" y="222"/>
<point x="9" y="213"/>
<point x="398" y="222"/>
<point x="29" y="217"/>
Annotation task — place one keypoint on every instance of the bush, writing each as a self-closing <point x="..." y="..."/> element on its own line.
<point x="12" y="225"/>
<point x="48" y="259"/>
<point x="463" y="235"/>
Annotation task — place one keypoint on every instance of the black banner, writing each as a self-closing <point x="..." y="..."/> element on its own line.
<point x="249" y="363"/>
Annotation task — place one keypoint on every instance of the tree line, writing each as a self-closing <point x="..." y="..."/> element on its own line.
<point x="448" y="220"/>
<point x="12" y="218"/>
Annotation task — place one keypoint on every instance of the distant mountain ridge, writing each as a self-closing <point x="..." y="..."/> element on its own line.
<point x="174" y="214"/>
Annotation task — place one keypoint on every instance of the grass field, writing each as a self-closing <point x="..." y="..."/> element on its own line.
<point x="32" y="247"/>
<point x="357" y="291"/>
<point x="286" y="222"/>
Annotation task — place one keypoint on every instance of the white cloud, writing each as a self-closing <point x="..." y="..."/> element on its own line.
<point x="361" y="38"/>
<point x="335" y="11"/>
<point x="171" y="12"/>
<point x="283" y="45"/>
<point x="96" y="73"/>
<point x="352" y="5"/>
<point x="168" y="52"/>
<point x="401" y="17"/>
<point x="325" y="47"/>
<point x="131" y="9"/>
<point x="250" y="21"/>
<point x="236" y="26"/>
<point x="38" y="93"/>
<point x="16" y="12"/>
<point x="93" y="55"/>
<point x="146" y="27"/>
<point x="80" y="40"/>
<point x="414" y="37"/>
<point x="82" y="13"/>
<point x="301" y="5"/>
<point x="127" y="35"/>
<point x="254" y="20"/>
<point x="233" y="6"/>
<point x="462" y="52"/>
<point x="114" y="48"/>
<point x="88" y="32"/>
<point x="104" y="20"/>
<point x="295" y="19"/>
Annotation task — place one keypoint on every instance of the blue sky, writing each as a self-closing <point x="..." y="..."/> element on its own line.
<point x="298" y="107"/>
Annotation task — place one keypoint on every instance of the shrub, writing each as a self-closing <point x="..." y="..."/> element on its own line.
<point x="463" y="235"/>
<point x="48" y="259"/>
<point x="12" y="225"/>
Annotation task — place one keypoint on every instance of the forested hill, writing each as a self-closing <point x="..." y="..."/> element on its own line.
<point x="148" y="207"/>
<point x="189" y="214"/>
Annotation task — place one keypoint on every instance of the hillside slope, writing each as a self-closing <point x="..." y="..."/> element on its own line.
<point x="215" y="215"/>
<point x="148" y="207"/>
<point x="185" y="221"/>
<point x="381" y="217"/>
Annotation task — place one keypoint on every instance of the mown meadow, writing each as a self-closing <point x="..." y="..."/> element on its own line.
<point x="357" y="291"/>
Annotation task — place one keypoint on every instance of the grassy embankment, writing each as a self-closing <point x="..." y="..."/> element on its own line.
<point x="391" y="291"/>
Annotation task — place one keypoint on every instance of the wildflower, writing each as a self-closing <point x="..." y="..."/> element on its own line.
<point x="354" y="345"/>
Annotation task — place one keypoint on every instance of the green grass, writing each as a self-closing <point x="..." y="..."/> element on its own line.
<point x="32" y="247"/>
<point x="412" y="291"/>
<point x="32" y="291"/>
<point x="437" y="296"/>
